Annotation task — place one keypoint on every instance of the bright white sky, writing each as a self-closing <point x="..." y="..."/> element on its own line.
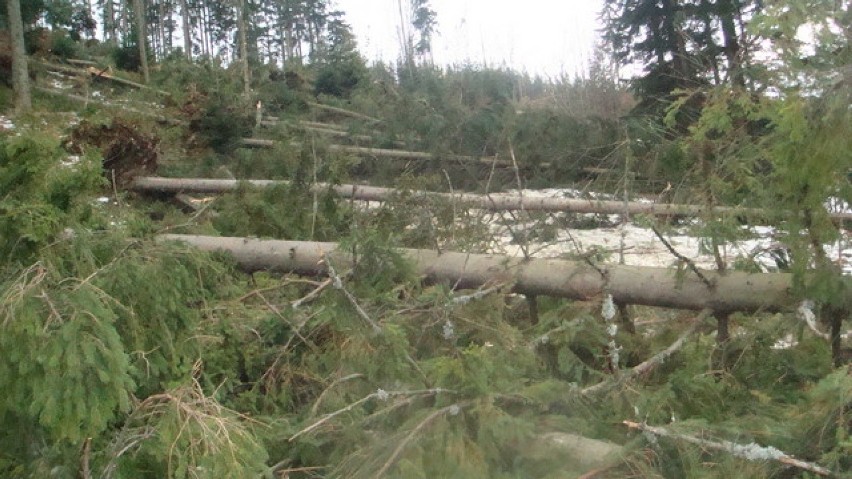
<point x="541" y="37"/>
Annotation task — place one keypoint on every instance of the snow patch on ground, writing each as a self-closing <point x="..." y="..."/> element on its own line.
<point x="6" y="124"/>
<point x="61" y="85"/>
<point x="763" y="246"/>
<point x="642" y="247"/>
<point x="72" y="160"/>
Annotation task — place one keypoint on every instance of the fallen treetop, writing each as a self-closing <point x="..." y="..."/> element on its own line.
<point x="734" y="291"/>
<point x="494" y="202"/>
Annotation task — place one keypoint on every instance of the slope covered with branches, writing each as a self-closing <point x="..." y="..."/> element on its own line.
<point x="123" y="355"/>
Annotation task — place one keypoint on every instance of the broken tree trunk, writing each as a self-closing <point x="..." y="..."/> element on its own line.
<point x="734" y="291"/>
<point x="494" y="202"/>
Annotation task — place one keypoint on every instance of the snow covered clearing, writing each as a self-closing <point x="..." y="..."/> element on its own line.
<point x="640" y="244"/>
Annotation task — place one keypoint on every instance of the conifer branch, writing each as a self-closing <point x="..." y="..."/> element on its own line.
<point x="296" y="330"/>
<point x="452" y="409"/>
<point x="337" y="282"/>
<point x="657" y="359"/>
<point x="478" y="294"/>
<point x="683" y="258"/>
<point x="334" y="383"/>
<point x="284" y="283"/>
<point x="751" y="452"/>
<point x="379" y="394"/>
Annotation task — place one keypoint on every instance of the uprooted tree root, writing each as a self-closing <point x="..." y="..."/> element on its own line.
<point x="127" y="151"/>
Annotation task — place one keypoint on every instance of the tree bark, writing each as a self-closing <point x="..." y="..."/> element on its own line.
<point x="187" y="31"/>
<point x="20" y="72"/>
<point x="141" y="38"/>
<point x="727" y="15"/>
<point x="735" y="291"/>
<point x="494" y="202"/>
<point x="109" y="22"/>
<point x="241" y="32"/>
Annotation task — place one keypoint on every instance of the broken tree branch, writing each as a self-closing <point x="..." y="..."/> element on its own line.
<point x="751" y="452"/>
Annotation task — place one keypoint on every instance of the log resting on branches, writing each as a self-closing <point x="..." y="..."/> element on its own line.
<point x="734" y="291"/>
<point x="494" y="202"/>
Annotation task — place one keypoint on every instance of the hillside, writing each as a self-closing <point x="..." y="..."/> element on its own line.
<point x="337" y="269"/>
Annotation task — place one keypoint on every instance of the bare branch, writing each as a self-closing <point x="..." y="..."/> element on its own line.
<point x="751" y="452"/>
<point x="689" y="262"/>
<point x="656" y="360"/>
<point x="452" y="409"/>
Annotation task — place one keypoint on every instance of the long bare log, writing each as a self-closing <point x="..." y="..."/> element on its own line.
<point x="99" y="73"/>
<point x="380" y="152"/>
<point x="343" y="111"/>
<point x="733" y="291"/>
<point x="84" y="100"/>
<point x="258" y="143"/>
<point x="494" y="202"/>
<point x="322" y="131"/>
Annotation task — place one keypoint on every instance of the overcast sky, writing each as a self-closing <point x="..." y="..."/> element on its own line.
<point x="544" y="37"/>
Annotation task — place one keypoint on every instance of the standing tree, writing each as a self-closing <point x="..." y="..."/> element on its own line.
<point x="141" y="37"/>
<point x="243" y="45"/>
<point x="681" y="44"/>
<point x="20" y="74"/>
<point x="186" y="29"/>
<point x="424" y="21"/>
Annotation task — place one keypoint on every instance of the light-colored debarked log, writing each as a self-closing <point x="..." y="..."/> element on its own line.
<point x="494" y="202"/>
<point x="734" y="291"/>
<point x="274" y="120"/>
<point x="91" y="100"/>
<point x="343" y="111"/>
<point x="322" y="131"/>
<point x="99" y="73"/>
<point x="381" y="152"/>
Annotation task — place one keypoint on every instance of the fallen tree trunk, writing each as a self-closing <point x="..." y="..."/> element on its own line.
<point x="84" y="100"/>
<point x="734" y="291"/>
<point x="381" y="152"/>
<point x="97" y="72"/>
<point x="343" y="111"/>
<point x="494" y="202"/>
<point x="323" y="131"/>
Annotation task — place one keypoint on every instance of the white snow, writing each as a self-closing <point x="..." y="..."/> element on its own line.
<point x="642" y="247"/>
<point x="6" y="124"/>
<point x="71" y="161"/>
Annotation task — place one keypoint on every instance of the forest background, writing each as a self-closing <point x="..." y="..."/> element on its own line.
<point x="126" y="354"/>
